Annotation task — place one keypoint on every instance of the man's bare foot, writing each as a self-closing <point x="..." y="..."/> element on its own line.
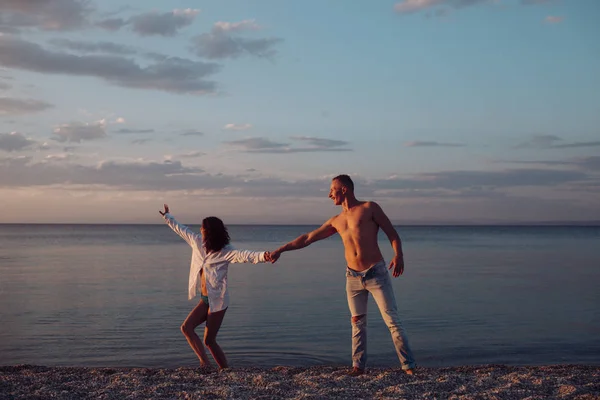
<point x="409" y="371"/>
<point x="356" y="372"/>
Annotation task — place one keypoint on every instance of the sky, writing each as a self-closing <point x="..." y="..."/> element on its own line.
<point x="442" y="111"/>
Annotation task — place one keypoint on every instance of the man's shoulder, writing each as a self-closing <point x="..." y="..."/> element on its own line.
<point x="369" y="204"/>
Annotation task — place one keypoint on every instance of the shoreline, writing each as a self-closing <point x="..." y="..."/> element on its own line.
<point x="465" y="382"/>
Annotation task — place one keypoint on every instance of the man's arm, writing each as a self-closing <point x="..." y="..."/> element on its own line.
<point x="386" y="225"/>
<point x="323" y="232"/>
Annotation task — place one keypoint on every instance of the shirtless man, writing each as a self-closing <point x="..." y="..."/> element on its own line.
<point x="358" y="224"/>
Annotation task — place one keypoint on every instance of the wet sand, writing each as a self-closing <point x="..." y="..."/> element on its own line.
<point x="471" y="382"/>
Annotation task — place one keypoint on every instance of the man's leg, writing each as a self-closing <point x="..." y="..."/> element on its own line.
<point x="381" y="288"/>
<point x="357" y="302"/>
<point x="196" y="317"/>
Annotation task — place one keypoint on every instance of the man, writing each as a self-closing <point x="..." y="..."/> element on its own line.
<point x="358" y="224"/>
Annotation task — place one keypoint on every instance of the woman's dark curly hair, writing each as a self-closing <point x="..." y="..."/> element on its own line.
<point x="215" y="234"/>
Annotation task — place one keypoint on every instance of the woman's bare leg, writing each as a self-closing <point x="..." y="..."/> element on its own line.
<point x="197" y="316"/>
<point x="213" y="323"/>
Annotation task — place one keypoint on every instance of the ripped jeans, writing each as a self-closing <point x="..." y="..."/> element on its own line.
<point x="377" y="281"/>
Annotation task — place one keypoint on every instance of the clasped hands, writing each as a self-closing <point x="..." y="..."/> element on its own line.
<point x="272" y="256"/>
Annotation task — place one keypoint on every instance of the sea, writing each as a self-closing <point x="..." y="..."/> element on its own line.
<point x="116" y="295"/>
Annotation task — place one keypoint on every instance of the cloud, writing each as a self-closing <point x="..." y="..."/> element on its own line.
<point x="173" y="175"/>
<point x="93" y="47"/>
<point x="4" y="86"/>
<point x="320" y="142"/>
<point x="49" y="15"/>
<point x="164" y="24"/>
<point x="219" y="43"/>
<point x="262" y="145"/>
<point x="576" y="144"/>
<point x="14" y="141"/>
<point x="191" y="154"/>
<point x="420" y="143"/>
<point x="140" y="141"/>
<point x="586" y="163"/>
<point x="553" y="19"/>
<point x="413" y="6"/>
<point x="77" y="132"/>
<point x="549" y="142"/>
<point x="192" y="133"/>
<point x="237" y="127"/>
<point x="60" y="157"/>
<point x="112" y="24"/>
<point x="536" y="2"/>
<point x="245" y="25"/>
<point x="174" y="74"/>
<point x="11" y="106"/>
<point x="539" y="141"/>
<point x="128" y="131"/>
<point x="149" y="176"/>
<point x="455" y="180"/>
<point x="256" y="144"/>
<point x="592" y="163"/>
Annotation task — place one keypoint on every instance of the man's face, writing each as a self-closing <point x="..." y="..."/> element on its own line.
<point x="336" y="192"/>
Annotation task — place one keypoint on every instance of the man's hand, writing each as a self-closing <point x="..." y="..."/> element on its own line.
<point x="274" y="256"/>
<point x="398" y="264"/>
<point x="166" y="210"/>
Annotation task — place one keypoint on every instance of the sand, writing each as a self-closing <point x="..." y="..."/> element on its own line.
<point x="473" y="382"/>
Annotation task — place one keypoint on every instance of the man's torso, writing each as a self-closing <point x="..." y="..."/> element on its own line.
<point x="359" y="230"/>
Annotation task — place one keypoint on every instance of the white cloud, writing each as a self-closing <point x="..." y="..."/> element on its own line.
<point x="247" y="24"/>
<point x="237" y="127"/>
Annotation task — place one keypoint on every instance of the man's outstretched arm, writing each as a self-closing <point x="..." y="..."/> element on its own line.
<point x="323" y="232"/>
<point x="385" y="224"/>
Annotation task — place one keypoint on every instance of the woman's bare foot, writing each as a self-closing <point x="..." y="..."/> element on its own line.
<point x="205" y="368"/>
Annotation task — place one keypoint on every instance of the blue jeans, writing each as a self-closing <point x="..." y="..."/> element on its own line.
<point x="377" y="281"/>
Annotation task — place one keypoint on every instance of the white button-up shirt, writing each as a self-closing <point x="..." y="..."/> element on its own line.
<point x="215" y="265"/>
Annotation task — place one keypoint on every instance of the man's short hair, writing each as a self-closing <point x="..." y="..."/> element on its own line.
<point x="345" y="181"/>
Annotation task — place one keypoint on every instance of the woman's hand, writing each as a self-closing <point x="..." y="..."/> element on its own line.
<point x="166" y="210"/>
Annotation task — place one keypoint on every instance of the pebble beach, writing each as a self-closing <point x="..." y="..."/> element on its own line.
<point x="467" y="382"/>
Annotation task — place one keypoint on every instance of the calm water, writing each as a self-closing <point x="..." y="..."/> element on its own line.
<point x="108" y="295"/>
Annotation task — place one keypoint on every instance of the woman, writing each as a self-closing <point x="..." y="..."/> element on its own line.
<point x="211" y="256"/>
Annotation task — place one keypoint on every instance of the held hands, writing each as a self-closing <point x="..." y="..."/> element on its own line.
<point x="166" y="210"/>
<point x="398" y="264"/>
<point x="272" y="256"/>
